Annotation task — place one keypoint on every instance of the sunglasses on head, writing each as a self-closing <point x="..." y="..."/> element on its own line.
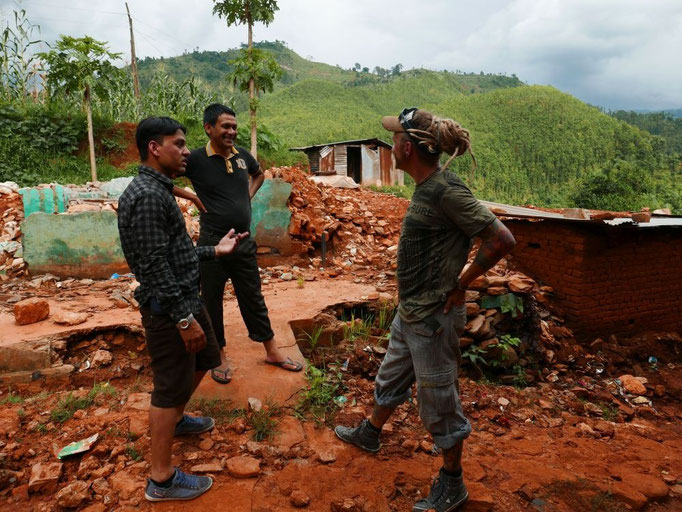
<point x="405" y="118"/>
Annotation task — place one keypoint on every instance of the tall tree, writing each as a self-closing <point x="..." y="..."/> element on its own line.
<point x="81" y="65"/>
<point x="248" y="12"/>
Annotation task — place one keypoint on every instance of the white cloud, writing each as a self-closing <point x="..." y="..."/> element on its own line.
<point x="614" y="53"/>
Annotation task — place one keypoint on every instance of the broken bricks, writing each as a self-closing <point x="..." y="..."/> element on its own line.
<point x="30" y="311"/>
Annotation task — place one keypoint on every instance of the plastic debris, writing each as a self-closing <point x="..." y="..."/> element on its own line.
<point x="77" y="447"/>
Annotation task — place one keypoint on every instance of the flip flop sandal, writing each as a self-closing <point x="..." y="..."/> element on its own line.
<point x="221" y="376"/>
<point x="297" y="367"/>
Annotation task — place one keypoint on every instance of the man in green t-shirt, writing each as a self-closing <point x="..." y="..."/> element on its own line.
<point x="442" y="219"/>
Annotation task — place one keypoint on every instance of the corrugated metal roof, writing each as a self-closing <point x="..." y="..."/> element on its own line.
<point x="378" y="142"/>
<point x="506" y="210"/>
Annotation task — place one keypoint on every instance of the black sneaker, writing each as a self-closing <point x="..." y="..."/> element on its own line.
<point x="362" y="436"/>
<point x="447" y="494"/>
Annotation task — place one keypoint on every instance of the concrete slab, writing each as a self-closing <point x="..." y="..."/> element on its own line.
<point x="252" y="377"/>
<point x="286" y="302"/>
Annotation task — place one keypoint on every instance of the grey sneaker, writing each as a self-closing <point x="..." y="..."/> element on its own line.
<point x="362" y="436"/>
<point x="447" y="494"/>
<point x="194" y="425"/>
<point x="184" y="487"/>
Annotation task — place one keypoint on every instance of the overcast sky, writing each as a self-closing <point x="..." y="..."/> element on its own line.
<point x="611" y="53"/>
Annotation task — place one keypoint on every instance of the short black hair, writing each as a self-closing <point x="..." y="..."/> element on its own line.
<point x="155" y="128"/>
<point x="214" y="111"/>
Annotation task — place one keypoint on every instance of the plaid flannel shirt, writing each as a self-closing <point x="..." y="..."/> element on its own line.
<point x="157" y="247"/>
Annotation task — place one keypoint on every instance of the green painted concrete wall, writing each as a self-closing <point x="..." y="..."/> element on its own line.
<point x="86" y="244"/>
<point x="270" y="216"/>
<point x="78" y="245"/>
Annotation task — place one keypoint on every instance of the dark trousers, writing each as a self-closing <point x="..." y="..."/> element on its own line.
<point x="242" y="268"/>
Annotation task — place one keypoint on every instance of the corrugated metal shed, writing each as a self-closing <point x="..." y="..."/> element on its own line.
<point x="522" y="212"/>
<point x="356" y="142"/>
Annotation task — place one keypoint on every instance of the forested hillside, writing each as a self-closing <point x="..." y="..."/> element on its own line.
<point x="533" y="144"/>
<point x="665" y="124"/>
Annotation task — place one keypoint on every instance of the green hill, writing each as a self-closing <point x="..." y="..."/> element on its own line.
<point x="533" y="143"/>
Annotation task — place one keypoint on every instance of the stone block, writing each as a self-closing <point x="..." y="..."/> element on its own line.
<point x="30" y="311"/>
<point x="45" y="476"/>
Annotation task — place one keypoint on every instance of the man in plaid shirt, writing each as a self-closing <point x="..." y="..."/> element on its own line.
<point x="179" y="336"/>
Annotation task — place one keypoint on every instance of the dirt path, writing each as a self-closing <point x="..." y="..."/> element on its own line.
<point x="559" y="447"/>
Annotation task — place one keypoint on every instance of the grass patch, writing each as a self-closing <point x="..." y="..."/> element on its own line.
<point x="67" y="406"/>
<point x="12" y="398"/>
<point x="386" y="315"/>
<point x="264" y="422"/>
<point x="220" y="410"/>
<point x="318" y="399"/>
<point x="132" y="453"/>
<point x="312" y="338"/>
<point x="357" y="328"/>
<point x="609" y="412"/>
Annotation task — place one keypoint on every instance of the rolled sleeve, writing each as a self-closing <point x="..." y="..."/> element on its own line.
<point x="462" y="208"/>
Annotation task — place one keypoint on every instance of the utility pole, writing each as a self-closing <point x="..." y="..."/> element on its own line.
<point x="133" y="61"/>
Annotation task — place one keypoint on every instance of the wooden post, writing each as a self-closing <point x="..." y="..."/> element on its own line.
<point x="133" y="60"/>
<point x="91" y="136"/>
<point x="252" y="88"/>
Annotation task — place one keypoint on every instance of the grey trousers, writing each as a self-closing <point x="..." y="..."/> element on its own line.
<point x="427" y="353"/>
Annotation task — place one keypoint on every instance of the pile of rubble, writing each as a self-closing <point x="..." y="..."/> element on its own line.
<point x="362" y="226"/>
<point x="11" y="215"/>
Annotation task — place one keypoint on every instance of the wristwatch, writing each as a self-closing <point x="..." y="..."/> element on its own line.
<point x="184" y="322"/>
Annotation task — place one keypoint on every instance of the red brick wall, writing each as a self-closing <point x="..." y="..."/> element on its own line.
<point x="607" y="279"/>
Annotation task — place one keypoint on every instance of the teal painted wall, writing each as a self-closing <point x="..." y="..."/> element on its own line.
<point x="86" y="244"/>
<point x="270" y="216"/>
<point x="79" y="245"/>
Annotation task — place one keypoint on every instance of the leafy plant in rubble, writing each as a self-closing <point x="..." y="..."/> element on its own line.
<point x="132" y="453"/>
<point x="507" y="303"/>
<point x="357" y="328"/>
<point x="313" y="338"/>
<point x="610" y="413"/>
<point x="12" y="398"/>
<point x="264" y="422"/>
<point x="504" y="343"/>
<point x="318" y="398"/>
<point x="474" y="354"/>
<point x="519" y="376"/>
<point x="386" y="315"/>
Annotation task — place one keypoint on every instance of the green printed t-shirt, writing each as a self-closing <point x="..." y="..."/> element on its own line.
<point x="435" y="241"/>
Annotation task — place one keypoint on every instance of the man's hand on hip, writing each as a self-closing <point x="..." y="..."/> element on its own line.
<point x="194" y="337"/>
<point x="229" y="242"/>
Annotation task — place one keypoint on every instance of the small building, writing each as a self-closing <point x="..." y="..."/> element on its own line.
<point x="366" y="161"/>
<point x="612" y="276"/>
